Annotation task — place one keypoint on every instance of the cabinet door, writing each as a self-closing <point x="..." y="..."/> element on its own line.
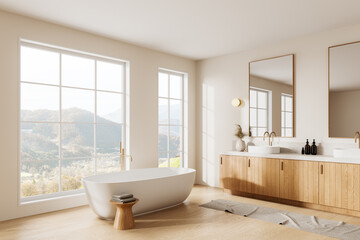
<point x="233" y="172"/>
<point x="299" y="180"/>
<point x="263" y="176"/>
<point x="339" y="185"/>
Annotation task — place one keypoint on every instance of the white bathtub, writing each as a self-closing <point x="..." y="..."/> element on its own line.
<point x="156" y="188"/>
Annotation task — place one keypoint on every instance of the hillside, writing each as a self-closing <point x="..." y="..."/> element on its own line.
<point x="40" y="141"/>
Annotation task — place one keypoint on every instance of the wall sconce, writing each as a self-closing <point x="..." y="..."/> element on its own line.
<point x="237" y="102"/>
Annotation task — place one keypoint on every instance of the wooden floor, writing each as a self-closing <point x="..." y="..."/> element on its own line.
<point x="186" y="221"/>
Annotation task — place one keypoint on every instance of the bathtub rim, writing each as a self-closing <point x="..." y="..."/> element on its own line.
<point x="88" y="178"/>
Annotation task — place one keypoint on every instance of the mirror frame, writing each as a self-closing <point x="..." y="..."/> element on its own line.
<point x="293" y="83"/>
<point x="338" y="45"/>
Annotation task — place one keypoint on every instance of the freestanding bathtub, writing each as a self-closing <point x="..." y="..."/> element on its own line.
<point x="156" y="188"/>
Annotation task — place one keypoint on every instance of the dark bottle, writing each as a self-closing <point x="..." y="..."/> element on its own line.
<point x="307" y="147"/>
<point x="313" y="148"/>
<point x="303" y="151"/>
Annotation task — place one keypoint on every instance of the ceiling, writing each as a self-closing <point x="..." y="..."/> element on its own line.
<point x="278" y="69"/>
<point x="195" y="29"/>
<point x="344" y="68"/>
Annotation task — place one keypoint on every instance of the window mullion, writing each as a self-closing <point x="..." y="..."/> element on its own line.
<point x="95" y="120"/>
<point x="267" y="128"/>
<point x="60" y="124"/>
<point x="284" y="99"/>
<point x="124" y="120"/>
<point x="169" y="121"/>
<point x="257" y="113"/>
<point x="182" y="123"/>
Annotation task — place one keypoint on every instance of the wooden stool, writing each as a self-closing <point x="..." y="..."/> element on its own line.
<point x="124" y="218"/>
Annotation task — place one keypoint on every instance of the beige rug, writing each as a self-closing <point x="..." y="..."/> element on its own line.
<point x="307" y="223"/>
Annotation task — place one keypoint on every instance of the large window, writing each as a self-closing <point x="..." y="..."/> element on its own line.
<point x="72" y="118"/>
<point x="286" y="115"/>
<point x="171" y="119"/>
<point x="259" y="112"/>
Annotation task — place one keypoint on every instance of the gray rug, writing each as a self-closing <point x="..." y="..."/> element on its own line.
<point x="307" y="223"/>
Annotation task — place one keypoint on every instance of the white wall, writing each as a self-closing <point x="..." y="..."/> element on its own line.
<point x="222" y="78"/>
<point x="144" y="64"/>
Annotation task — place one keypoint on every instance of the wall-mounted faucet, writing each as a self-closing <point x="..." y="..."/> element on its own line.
<point x="268" y="134"/>
<point x="271" y="136"/>
<point x="123" y="157"/>
<point x="357" y="137"/>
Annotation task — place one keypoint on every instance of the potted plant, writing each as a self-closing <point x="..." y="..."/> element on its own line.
<point x="240" y="144"/>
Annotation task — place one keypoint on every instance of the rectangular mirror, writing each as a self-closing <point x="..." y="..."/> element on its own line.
<point x="344" y="90"/>
<point x="271" y="94"/>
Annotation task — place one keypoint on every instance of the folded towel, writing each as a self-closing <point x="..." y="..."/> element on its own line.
<point x="127" y="200"/>
<point x="123" y="196"/>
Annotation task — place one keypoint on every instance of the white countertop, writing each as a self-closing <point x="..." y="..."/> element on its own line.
<point x="294" y="156"/>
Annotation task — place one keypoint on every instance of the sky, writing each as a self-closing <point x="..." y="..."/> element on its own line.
<point x="42" y="66"/>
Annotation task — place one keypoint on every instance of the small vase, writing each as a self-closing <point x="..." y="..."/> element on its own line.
<point x="240" y="145"/>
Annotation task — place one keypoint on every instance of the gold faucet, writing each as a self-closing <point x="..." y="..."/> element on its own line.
<point x="265" y="136"/>
<point x="357" y="137"/>
<point x="271" y="136"/>
<point x="122" y="158"/>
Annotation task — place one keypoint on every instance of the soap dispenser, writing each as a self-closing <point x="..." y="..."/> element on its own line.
<point x="307" y="147"/>
<point x="313" y="148"/>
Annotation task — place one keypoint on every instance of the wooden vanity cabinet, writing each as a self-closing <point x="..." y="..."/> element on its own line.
<point x="250" y="174"/>
<point x="339" y="185"/>
<point x="233" y="171"/>
<point x="328" y="186"/>
<point x="263" y="176"/>
<point x="299" y="180"/>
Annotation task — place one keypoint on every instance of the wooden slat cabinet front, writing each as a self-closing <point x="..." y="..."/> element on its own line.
<point x="233" y="171"/>
<point x="263" y="176"/>
<point x="339" y="185"/>
<point x="299" y="180"/>
<point x="323" y="185"/>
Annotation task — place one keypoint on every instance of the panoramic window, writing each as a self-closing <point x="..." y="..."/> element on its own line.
<point x="171" y="119"/>
<point x="259" y="114"/>
<point x="72" y="118"/>
<point x="286" y="115"/>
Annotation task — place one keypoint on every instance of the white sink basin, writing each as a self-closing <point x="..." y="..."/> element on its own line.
<point x="346" y="153"/>
<point x="264" y="149"/>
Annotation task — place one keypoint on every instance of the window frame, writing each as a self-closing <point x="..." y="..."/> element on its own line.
<point x="125" y="106"/>
<point x="284" y="96"/>
<point x="268" y="115"/>
<point x="183" y="116"/>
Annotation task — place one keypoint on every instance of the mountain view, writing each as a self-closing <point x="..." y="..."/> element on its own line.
<point x="40" y="167"/>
